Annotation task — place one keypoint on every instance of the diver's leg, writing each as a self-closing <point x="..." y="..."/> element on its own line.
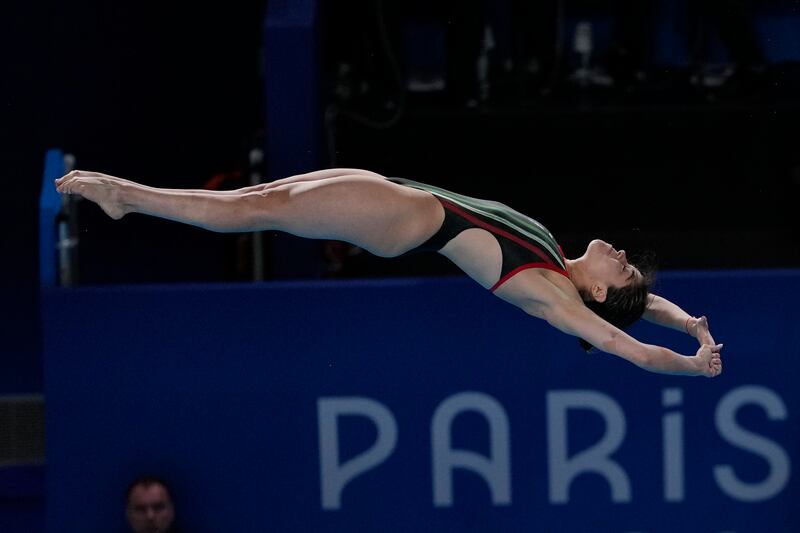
<point x="370" y="212"/>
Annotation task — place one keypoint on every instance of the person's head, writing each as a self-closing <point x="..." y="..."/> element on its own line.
<point x="149" y="506"/>
<point x="614" y="289"/>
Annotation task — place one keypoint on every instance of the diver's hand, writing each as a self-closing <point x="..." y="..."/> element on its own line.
<point x="698" y="328"/>
<point x="710" y="360"/>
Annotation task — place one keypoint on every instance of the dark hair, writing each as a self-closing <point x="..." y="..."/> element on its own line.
<point x="146" y="481"/>
<point x="624" y="305"/>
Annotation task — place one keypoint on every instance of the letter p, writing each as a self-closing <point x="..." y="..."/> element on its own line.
<point x="335" y="475"/>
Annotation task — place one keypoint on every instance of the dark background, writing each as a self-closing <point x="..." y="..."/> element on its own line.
<point x="703" y="177"/>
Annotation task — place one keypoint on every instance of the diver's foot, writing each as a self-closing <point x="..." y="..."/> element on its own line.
<point x="102" y="189"/>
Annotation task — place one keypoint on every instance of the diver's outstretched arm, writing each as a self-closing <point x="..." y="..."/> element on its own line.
<point x="665" y="313"/>
<point x="574" y="318"/>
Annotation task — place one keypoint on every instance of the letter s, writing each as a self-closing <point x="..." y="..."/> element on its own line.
<point x="775" y="455"/>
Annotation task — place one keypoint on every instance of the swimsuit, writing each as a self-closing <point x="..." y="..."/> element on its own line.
<point x="524" y="243"/>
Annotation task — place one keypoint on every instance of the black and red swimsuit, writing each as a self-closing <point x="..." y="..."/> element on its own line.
<point x="524" y="242"/>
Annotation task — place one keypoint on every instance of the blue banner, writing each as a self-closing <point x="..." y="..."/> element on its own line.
<point x="417" y="405"/>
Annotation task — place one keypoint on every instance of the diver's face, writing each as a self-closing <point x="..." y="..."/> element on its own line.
<point x="609" y="266"/>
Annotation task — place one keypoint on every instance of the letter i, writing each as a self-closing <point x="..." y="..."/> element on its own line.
<point x="672" y="431"/>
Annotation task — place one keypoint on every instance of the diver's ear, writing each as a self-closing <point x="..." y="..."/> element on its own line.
<point x="599" y="293"/>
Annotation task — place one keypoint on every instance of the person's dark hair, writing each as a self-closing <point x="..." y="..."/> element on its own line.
<point x="624" y="306"/>
<point x="146" y="481"/>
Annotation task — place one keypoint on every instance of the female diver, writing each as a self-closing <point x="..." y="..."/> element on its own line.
<point x="594" y="296"/>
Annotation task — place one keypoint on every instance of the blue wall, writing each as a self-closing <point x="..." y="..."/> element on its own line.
<point x="416" y="405"/>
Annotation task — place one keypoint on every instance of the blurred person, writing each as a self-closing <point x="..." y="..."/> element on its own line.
<point x="149" y="507"/>
<point x="593" y="297"/>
